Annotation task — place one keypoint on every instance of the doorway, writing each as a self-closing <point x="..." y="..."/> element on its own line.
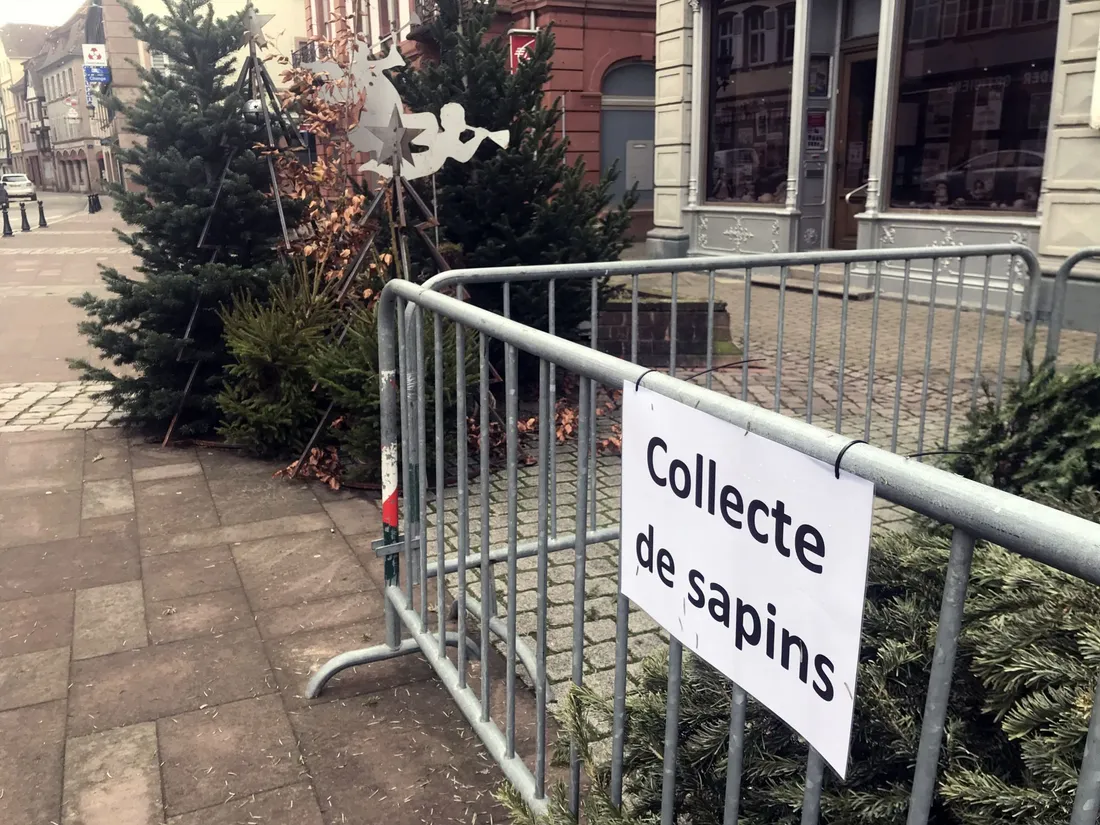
<point x="852" y="152"/>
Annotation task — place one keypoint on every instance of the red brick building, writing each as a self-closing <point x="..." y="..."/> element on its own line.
<point x="603" y="70"/>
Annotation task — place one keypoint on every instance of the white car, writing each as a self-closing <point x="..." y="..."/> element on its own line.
<point x="19" y="186"/>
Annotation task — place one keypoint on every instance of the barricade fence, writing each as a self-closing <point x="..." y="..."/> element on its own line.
<point x="567" y="523"/>
<point x="896" y="372"/>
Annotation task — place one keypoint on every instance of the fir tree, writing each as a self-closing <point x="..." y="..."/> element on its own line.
<point x="1023" y="683"/>
<point x="521" y="205"/>
<point x="187" y="117"/>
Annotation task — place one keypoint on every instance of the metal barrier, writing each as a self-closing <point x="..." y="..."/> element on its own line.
<point x="974" y="267"/>
<point x="1058" y="301"/>
<point x="977" y="513"/>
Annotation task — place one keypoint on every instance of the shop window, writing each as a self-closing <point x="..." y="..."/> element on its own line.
<point x="751" y="48"/>
<point x="970" y="127"/>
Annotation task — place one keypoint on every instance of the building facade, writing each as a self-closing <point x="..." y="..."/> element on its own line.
<point x="603" y="76"/>
<point x="789" y="125"/>
<point x="18" y="42"/>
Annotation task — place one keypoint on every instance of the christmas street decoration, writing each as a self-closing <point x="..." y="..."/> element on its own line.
<point x="437" y="140"/>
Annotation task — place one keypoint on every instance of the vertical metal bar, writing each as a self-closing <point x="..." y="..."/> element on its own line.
<point x="488" y="597"/>
<point x="1004" y="329"/>
<point x="813" y="345"/>
<point x="634" y="319"/>
<point x="783" y="272"/>
<point x="710" y="328"/>
<point x="929" y="334"/>
<point x="811" y="796"/>
<point x="843" y="346"/>
<point x="901" y="353"/>
<point x="422" y="467"/>
<point x="408" y="447"/>
<point x="507" y="298"/>
<point x="552" y="309"/>
<point x="618" y="720"/>
<point x="672" y="332"/>
<point x="440" y="505"/>
<point x="512" y="414"/>
<point x="389" y="389"/>
<point x="592" y="504"/>
<point x="672" y="732"/>
<point x="583" y="425"/>
<point x="1086" y="799"/>
<point x="745" y="336"/>
<point x="874" y="352"/>
<point x="939" y="681"/>
<point x="463" y="512"/>
<point x="950" y="401"/>
<point x="986" y="277"/>
<point x="735" y="762"/>
<point x="543" y="582"/>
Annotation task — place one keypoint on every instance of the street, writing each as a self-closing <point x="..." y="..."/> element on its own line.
<point x="39" y="271"/>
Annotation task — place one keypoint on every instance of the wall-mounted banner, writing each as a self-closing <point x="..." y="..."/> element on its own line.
<point x="751" y="554"/>
<point x="97" y="74"/>
<point x="95" y="54"/>
<point x="521" y="42"/>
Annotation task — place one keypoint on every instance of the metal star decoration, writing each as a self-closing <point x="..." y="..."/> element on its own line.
<point x="395" y="138"/>
<point x="254" y="31"/>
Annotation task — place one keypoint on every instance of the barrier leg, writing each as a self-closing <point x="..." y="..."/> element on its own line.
<point x="7" y="224"/>
<point x="42" y="216"/>
<point x="26" y="225"/>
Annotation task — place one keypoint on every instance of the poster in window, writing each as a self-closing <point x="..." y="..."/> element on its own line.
<point x="777" y="124"/>
<point x="938" y="114"/>
<point x="818" y="80"/>
<point x="933" y="162"/>
<point x="987" y="108"/>
<point x="1038" y="111"/>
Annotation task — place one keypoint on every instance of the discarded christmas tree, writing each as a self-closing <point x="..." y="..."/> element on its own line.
<point x="188" y="117"/>
<point x="525" y="204"/>
<point x="1022" y="687"/>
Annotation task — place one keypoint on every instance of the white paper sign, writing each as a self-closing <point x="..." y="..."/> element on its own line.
<point x="751" y="554"/>
<point x="95" y="54"/>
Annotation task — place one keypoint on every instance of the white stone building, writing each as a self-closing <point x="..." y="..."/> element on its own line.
<point x="788" y="125"/>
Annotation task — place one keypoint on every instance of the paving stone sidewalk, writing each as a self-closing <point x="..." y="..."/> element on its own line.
<point x="931" y="381"/>
<point x="45" y="406"/>
<point x="160" y="612"/>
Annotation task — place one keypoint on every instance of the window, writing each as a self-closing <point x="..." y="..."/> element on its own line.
<point x="748" y="147"/>
<point x="160" y="62"/>
<point x="1037" y="11"/>
<point x="786" y="32"/>
<point x="985" y="15"/>
<point x="72" y="85"/>
<point x="361" y="18"/>
<point x="756" y="39"/>
<point x="973" y="106"/>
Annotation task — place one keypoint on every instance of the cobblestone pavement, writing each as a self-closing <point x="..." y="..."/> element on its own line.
<point x="67" y="405"/>
<point x="950" y="370"/>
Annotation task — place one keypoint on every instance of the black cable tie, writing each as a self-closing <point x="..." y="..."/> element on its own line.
<point x="638" y="383"/>
<point x="848" y="446"/>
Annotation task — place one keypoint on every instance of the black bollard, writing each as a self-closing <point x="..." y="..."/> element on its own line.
<point x="98" y="205"/>
<point x="91" y="206"/>
<point x="42" y="216"/>
<point x="26" y="225"/>
<point x="7" y="223"/>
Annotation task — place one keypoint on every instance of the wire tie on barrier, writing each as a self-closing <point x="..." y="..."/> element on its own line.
<point x="638" y="383"/>
<point x="840" y="455"/>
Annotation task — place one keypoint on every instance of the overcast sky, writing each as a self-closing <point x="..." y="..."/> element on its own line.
<point x="43" y="12"/>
